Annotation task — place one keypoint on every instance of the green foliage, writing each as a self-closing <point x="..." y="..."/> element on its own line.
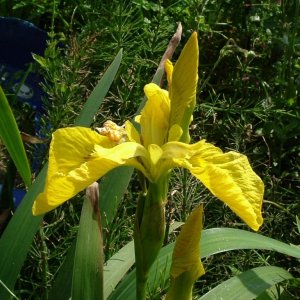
<point x="17" y="238"/>
<point x="10" y="136"/>
<point x="241" y="286"/>
<point x="87" y="280"/>
<point x="213" y="241"/>
<point x="248" y="101"/>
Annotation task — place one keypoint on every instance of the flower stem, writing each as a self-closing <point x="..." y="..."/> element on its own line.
<point x="149" y="231"/>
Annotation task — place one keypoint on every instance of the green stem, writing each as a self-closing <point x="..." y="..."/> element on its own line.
<point x="140" y="280"/>
<point x="149" y="231"/>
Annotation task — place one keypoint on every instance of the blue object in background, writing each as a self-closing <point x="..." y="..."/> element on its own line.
<point x="18" y="40"/>
<point x="18" y="195"/>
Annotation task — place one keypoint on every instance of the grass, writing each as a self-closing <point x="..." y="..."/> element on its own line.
<point x="248" y="102"/>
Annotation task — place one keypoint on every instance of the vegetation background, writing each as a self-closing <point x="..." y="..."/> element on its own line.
<point x="248" y="101"/>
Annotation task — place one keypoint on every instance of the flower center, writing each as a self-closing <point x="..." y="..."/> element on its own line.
<point x="114" y="132"/>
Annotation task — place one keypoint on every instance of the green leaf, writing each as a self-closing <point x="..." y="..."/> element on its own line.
<point x="112" y="188"/>
<point x="218" y="240"/>
<point x="10" y="135"/>
<point x="17" y="238"/>
<point x="87" y="280"/>
<point x="213" y="241"/>
<point x="274" y="293"/>
<point x="117" y="266"/>
<point x="61" y="288"/>
<point x="248" y="285"/>
<point x="40" y="60"/>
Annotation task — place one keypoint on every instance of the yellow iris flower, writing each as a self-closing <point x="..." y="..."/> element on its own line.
<point x="79" y="156"/>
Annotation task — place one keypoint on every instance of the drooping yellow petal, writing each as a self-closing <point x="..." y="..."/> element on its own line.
<point x="78" y="157"/>
<point x="228" y="176"/>
<point x="155" y="116"/>
<point x="183" y="86"/>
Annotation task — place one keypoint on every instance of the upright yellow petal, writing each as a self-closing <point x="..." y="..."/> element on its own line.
<point x="228" y="176"/>
<point x="183" y="86"/>
<point x="78" y="157"/>
<point x="155" y="116"/>
<point x="169" y="70"/>
<point x="132" y="134"/>
<point x="175" y="133"/>
<point x="186" y="265"/>
<point x="186" y="254"/>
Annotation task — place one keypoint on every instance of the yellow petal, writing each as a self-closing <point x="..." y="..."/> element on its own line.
<point x="175" y="133"/>
<point x="78" y="157"/>
<point x="137" y="119"/>
<point x="228" y="176"/>
<point x="155" y="116"/>
<point x="183" y="86"/>
<point x="155" y="153"/>
<point x="186" y="254"/>
<point x="169" y="70"/>
<point x="132" y="133"/>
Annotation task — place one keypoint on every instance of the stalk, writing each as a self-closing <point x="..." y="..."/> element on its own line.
<point x="149" y="231"/>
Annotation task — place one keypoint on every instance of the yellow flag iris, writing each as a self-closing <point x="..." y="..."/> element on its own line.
<point x="79" y="156"/>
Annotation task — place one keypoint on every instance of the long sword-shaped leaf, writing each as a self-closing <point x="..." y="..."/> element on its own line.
<point x="17" y="238"/>
<point x="117" y="266"/>
<point x="61" y="288"/>
<point x="213" y="241"/>
<point x="218" y="240"/>
<point x="248" y="285"/>
<point x="87" y="280"/>
<point x="10" y="136"/>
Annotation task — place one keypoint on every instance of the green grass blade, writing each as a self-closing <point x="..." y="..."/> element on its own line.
<point x="17" y="238"/>
<point x="10" y="136"/>
<point x="213" y="241"/>
<point x="87" y="282"/>
<point x="249" y="284"/>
